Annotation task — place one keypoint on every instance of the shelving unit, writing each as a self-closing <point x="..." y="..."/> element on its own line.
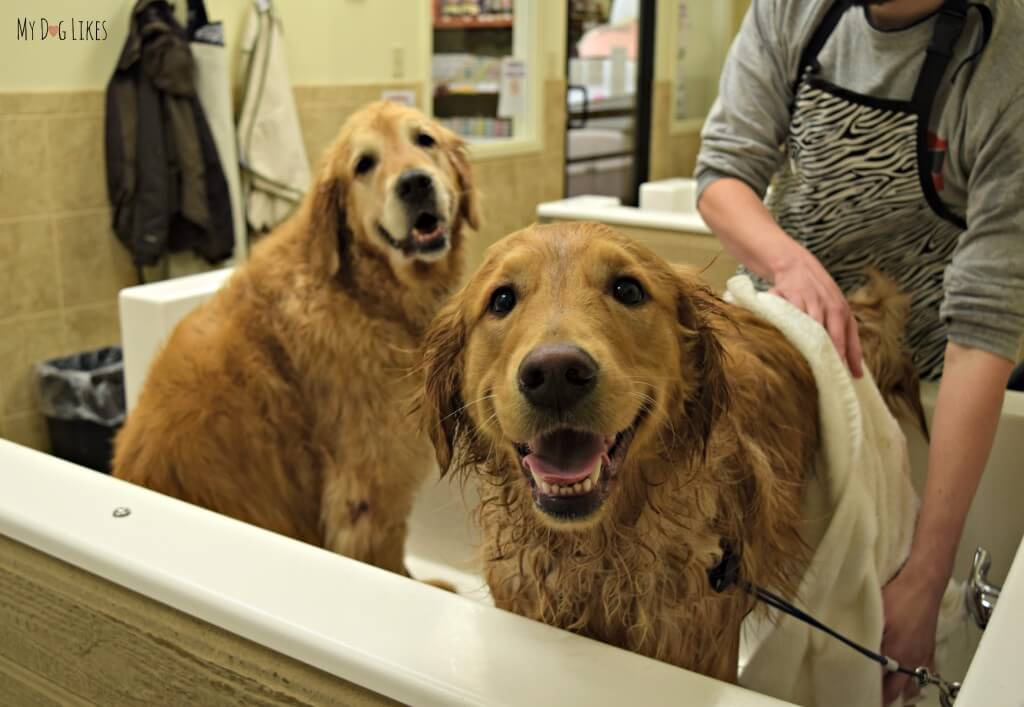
<point x="472" y="14"/>
<point x="497" y="22"/>
<point x="470" y="39"/>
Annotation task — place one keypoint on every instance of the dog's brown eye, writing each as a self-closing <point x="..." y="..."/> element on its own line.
<point x="365" y="164"/>
<point x="503" y="301"/>
<point x="628" y="291"/>
<point x="424" y="140"/>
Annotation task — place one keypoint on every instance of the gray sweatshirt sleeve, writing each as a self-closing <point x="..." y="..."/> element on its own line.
<point x="747" y="125"/>
<point x="984" y="300"/>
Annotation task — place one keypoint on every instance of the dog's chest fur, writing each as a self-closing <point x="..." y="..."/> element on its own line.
<point x="370" y="398"/>
<point x="641" y="585"/>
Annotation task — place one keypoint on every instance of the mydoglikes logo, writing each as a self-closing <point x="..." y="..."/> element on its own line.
<point x="70" y="29"/>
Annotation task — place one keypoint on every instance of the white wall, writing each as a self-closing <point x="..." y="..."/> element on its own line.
<point x="329" y="41"/>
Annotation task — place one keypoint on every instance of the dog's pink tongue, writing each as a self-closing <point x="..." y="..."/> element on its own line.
<point x="565" y="456"/>
<point x="553" y="474"/>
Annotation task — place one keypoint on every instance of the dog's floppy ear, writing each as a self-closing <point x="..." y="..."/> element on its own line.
<point x="468" y="204"/>
<point x="696" y="307"/>
<point x="329" y="236"/>
<point x="443" y="412"/>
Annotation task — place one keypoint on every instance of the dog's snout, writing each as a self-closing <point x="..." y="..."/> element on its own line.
<point x="415" y="186"/>
<point x="557" y="376"/>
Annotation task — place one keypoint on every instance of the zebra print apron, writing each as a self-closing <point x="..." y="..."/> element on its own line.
<point x="857" y="187"/>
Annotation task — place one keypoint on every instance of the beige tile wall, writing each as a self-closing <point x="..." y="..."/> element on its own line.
<point x="61" y="266"/>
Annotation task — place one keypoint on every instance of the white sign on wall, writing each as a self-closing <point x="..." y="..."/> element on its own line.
<point x="512" y="88"/>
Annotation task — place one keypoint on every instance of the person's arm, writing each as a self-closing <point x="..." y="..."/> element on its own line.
<point x="746" y="228"/>
<point x="740" y="151"/>
<point x="984" y="314"/>
<point x="748" y="122"/>
<point x="967" y="411"/>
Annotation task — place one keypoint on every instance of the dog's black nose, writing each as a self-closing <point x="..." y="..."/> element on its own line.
<point x="415" y="187"/>
<point x="557" y="376"/>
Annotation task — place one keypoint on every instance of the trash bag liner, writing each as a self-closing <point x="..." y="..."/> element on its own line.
<point x="84" y="386"/>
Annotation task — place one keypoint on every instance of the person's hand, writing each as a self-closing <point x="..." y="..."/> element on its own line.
<point x="911" y="602"/>
<point x="804" y="282"/>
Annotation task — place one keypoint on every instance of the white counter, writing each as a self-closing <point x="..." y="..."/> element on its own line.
<point x="609" y="210"/>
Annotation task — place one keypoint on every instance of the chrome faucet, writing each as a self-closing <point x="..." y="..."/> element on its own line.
<point x="981" y="596"/>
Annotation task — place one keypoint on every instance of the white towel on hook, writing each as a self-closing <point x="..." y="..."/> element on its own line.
<point x="860" y="508"/>
<point x="271" y="148"/>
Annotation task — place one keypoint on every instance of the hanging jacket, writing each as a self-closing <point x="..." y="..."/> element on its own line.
<point x="164" y="179"/>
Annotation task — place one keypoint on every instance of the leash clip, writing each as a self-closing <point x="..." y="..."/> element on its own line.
<point x="727" y="572"/>
<point x="947" y="690"/>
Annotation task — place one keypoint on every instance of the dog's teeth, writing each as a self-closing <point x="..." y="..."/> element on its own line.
<point x="545" y="488"/>
<point x="588" y="485"/>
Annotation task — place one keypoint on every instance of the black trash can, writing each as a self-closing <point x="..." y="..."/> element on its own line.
<point x="82" y="397"/>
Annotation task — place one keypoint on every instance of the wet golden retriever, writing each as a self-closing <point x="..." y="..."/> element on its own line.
<point x="282" y="401"/>
<point x="625" y="425"/>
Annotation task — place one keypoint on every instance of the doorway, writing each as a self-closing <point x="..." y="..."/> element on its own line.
<point x="610" y="56"/>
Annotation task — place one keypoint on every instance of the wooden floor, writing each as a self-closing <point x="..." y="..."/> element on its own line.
<point x="68" y="637"/>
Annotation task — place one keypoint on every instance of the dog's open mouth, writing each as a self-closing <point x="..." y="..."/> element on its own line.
<point x="570" y="470"/>
<point x="429" y="233"/>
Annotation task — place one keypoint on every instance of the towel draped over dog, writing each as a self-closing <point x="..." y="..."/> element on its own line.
<point x="859" y="509"/>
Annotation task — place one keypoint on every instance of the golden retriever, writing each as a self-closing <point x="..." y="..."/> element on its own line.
<point x="283" y="400"/>
<point x="625" y="425"/>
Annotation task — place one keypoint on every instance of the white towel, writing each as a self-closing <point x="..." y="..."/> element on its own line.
<point x="271" y="149"/>
<point x="865" y="507"/>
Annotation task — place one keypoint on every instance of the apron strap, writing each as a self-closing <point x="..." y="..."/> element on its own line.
<point x="986" y="35"/>
<point x="949" y="25"/>
<point x="809" y="56"/>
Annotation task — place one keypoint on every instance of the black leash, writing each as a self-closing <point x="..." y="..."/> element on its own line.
<point x="727" y="574"/>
